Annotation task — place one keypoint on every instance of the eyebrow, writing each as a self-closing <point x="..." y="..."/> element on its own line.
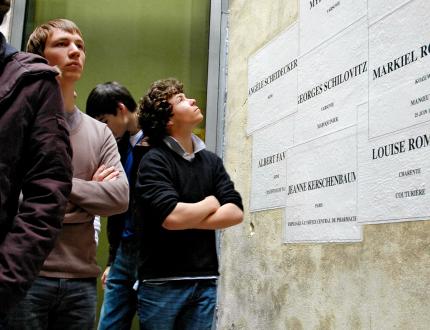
<point x="80" y="41"/>
<point x="59" y="39"/>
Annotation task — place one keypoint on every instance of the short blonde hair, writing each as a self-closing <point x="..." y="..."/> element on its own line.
<point x="37" y="40"/>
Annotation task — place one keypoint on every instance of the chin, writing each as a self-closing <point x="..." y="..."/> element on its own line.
<point x="71" y="77"/>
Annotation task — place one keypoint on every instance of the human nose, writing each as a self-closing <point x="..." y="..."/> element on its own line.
<point x="74" y="50"/>
<point x="192" y="101"/>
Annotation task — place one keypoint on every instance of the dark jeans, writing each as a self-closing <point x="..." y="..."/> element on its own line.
<point x="120" y="299"/>
<point x="56" y="303"/>
<point x="182" y="304"/>
<point x="3" y="323"/>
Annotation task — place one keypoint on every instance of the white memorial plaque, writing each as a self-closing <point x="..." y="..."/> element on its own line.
<point x="377" y="9"/>
<point x="321" y="190"/>
<point x="322" y="19"/>
<point x="394" y="174"/>
<point x="399" y="75"/>
<point x="333" y="79"/>
<point x="269" y="171"/>
<point x="272" y="80"/>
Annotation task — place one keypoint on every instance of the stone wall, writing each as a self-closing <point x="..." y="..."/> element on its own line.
<point x="381" y="283"/>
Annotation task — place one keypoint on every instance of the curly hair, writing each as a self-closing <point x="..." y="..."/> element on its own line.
<point x="155" y="110"/>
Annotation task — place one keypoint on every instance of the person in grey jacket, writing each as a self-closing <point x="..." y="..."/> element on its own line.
<point x="35" y="159"/>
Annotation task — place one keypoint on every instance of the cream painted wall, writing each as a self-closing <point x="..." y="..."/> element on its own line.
<point x="381" y="283"/>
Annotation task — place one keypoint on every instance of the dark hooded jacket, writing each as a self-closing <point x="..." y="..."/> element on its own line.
<point x="35" y="159"/>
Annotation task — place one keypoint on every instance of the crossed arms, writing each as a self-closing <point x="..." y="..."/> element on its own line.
<point x="206" y="214"/>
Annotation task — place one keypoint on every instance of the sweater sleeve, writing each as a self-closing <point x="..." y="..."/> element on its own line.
<point x="104" y="198"/>
<point x="46" y="186"/>
<point x="154" y="186"/>
<point x="224" y="187"/>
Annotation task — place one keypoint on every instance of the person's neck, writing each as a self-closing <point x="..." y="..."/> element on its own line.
<point x="185" y="140"/>
<point x="69" y="98"/>
<point x="133" y="123"/>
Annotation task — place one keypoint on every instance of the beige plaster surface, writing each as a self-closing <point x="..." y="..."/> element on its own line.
<point x="380" y="283"/>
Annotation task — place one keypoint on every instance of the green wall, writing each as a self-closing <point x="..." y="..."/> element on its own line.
<point x="135" y="42"/>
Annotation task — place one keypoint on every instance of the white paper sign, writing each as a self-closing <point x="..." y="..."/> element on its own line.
<point x="394" y="174"/>
<point x="322" y="19"/>
<point x="272" y="80"/>
<point x="377" y="9"/>
<point x="321" y="190"/>
<point x="333" y="79"/>
<point x="269" y="148"/>
<point x="399" y="80"/>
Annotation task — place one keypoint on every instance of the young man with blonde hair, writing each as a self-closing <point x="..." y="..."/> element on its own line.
<point x="64" y="294"/>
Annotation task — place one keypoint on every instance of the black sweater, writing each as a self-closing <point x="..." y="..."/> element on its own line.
<point x="164" y="179"/>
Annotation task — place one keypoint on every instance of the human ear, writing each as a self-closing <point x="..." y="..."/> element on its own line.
<point x="121" y="109"/>
<point x="169" y="123"/>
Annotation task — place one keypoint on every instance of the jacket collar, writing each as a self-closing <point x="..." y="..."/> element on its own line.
<point x="16" y="66"/>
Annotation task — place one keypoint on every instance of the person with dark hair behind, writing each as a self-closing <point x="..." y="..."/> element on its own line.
<point x="35" y="159"/>
<point x="183" y="194"/>
<point x="113" y="104"/>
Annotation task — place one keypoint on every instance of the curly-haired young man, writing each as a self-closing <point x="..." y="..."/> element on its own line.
<point x="183" y="194"/>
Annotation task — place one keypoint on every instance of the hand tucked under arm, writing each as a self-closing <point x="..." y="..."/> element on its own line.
<point x="76" y="214"/>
